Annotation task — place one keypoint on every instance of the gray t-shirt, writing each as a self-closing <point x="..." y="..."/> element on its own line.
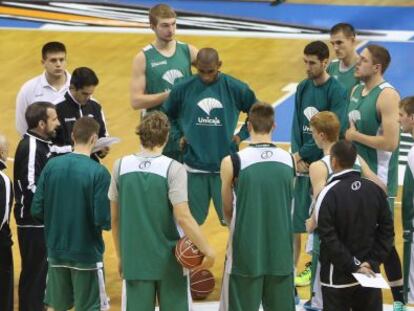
<point x="177" y="181"/>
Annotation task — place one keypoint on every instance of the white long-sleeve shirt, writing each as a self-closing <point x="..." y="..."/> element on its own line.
<point x="35" y="90"/>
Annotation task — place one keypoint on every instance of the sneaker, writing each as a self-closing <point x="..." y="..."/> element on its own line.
<point x="308" y="306"/>
<point x="304" y="278"/>
<point x="399" y="306"/>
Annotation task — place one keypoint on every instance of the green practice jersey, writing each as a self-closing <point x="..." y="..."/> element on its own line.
<point x="71" y="199"/>
<point x="261" y="233"/>
<point x="161" y="72"/>
<point x="344" y="76"/>
<point x="311" y="99"/>
<point x="408" y="194"/>
<point x="208" y="115"/>
<point x="148" y="232"/>
<point x="362" y="110"/>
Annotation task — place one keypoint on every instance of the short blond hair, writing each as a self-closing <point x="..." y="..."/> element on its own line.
<point x="328" y="123"/>
<point x="160" y="11"/>
<point x="153" y="130"/>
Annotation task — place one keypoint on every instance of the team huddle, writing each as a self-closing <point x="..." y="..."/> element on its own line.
<point x="338" y="183"/>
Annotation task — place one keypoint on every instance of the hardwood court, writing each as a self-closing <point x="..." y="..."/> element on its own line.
<point x="266" y="65"/>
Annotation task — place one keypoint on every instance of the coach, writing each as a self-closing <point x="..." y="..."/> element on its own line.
<point x="356" y="232"/>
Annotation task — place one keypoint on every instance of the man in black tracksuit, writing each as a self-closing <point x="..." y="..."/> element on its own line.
<point x="31" y="156"/>
<point x="77" y="103"/>
<point x="6" y="256"/>
<point x="356" y="231"/>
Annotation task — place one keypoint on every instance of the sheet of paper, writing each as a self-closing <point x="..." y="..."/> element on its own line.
<point x="105" y="142"/>
<point x="366" y="281"/>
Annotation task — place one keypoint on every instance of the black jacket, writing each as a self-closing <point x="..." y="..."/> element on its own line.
<point x="31" y="157"/>
<point x="69" y="111"/>
<point x="6" y="203"/>
<point x="354" y="225"/>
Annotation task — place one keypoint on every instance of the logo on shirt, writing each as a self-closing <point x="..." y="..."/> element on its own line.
<point x="309" y="112"/>
<point x="156" y="64"/>
<point x="267" y="154"/>
<point x="144" y="165"/>
<point x="354" y="99"/>
<point x="171" y="75"/>
<point x="356" y="185"/>
<point x="354" y="115"/>
<point x="207" y="105"/>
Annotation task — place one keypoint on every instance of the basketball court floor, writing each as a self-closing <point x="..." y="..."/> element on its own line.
<point x="258" y="43"/>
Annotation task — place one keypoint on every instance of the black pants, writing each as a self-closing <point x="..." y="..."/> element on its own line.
<point x="32" y="282"/>
<point x="357" y="298"/>
<point x="6" y="278"/>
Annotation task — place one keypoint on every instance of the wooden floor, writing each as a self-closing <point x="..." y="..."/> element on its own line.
<point x="266" y="64"/>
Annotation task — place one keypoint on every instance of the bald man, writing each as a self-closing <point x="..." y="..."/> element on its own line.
<point x="207" y="107"/>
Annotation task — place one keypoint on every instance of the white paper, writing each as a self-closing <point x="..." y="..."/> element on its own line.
<point x="366" y="281"/>
<point x="105" y="142"/>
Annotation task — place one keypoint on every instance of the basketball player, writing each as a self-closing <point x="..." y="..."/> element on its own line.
<point x="257" y="207"/>
<point x="407" y="126"/>
<point x="207" y="107"/>
<point x="71" y="200"/>
<point x="156" y="68"/>
<point x="148" y="196"/>
<point x="373" y="115"/>
<point x="343" y="41"/>
<point x="319" y="92"/>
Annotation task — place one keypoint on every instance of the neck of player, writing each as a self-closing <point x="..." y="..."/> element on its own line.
<point x="83" y="149"/>
<point x="154" y="151"/>
<point x="260" y="138"/>
<point x="162" y="45"/>
<point x="350" y="60"/>
<point x="321" y="79"/>
<point x="372" y="82"/>
<point x="327" y="147"/>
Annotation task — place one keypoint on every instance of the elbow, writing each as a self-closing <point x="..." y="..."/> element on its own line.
<point x="136" y="103"/>
<point x="392" y="146"/>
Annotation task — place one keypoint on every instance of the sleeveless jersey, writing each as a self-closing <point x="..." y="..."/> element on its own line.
<point x="261" y="229"/>
<point x="345" y="77"/>
<point x="362" y="110"/>
<point x="148" y="231"/>
<point x="161" y="72"/>
<point x="408" y="194"/>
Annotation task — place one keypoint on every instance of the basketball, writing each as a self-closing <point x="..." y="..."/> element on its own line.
<point x="188" y="255"/>
<point x="201" y="283"/>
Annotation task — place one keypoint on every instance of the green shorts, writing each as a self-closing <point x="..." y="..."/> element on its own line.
<point x="172" y="292"/>
<point x="202" y="187"/>
<point x="240" y="293"/>
<point x="69" y="287"/>
<point x="302" y="203"/>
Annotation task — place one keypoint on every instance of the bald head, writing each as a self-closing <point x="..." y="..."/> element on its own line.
<point x="4" y="148"/>
<point x="208" y="56"/>
<point x="208" y="65"/>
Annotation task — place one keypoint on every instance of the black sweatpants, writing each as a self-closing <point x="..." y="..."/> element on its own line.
<point x="32" y="282"/>
<point x="355" y="298"/>
<point x="6" y="278"/>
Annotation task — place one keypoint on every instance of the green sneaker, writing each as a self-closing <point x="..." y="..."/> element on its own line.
<point x="304" y="278"/>
<point x="399" y="306"/>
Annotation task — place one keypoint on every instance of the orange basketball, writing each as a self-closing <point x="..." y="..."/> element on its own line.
<point x="188" y="255"/>
<point x="201" y="283"/>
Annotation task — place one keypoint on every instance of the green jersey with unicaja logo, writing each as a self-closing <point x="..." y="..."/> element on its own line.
<point x="362" y="110"/>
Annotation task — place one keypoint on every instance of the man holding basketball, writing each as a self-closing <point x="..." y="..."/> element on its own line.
<point x="143" y="188"/>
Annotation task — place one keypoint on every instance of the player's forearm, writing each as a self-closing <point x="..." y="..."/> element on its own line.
<point x="376" y="142"/>
<point x="193" y="232"/>
<point x="146" y="101"/>
<point x="227" y="201"/>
